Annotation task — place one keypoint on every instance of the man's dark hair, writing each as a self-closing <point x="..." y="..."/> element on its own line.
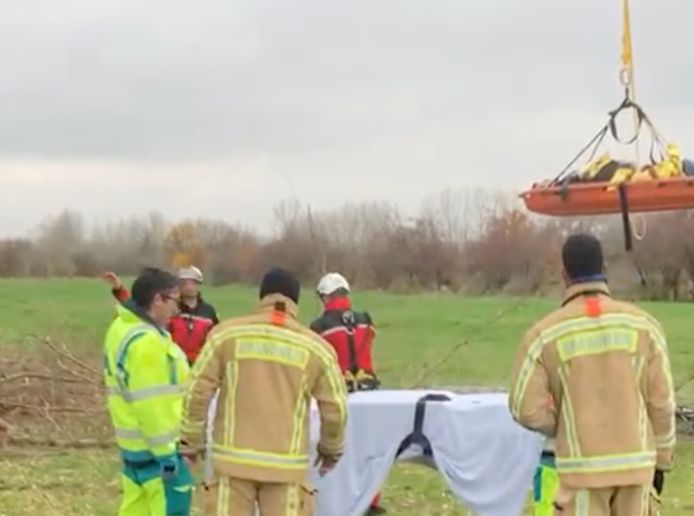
<point x="582" y="256"/>
<point x="280" y="281"/>
<point x="149" y="283"/>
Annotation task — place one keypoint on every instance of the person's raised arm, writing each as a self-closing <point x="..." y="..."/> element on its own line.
<point x="117" y="289"/>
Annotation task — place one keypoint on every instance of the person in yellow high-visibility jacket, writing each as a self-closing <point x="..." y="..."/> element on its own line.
<point x="145" y="372"/>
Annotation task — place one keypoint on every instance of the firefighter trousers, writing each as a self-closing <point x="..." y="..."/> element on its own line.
<point x="615" y="501"/>
<point x="231" y="496"/>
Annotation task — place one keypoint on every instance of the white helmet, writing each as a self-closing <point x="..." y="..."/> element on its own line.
<point x="331" y="283"/>
<point x="190" y="273"/>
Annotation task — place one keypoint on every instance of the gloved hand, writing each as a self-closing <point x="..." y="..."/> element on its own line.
<point x="366" y="381"/>
<point x="325" y="463"/>
<point x="189" y="453"/>
<point x="659" y="481"/>
<point x="350" y="381"/>
<point x="169" y="469"/>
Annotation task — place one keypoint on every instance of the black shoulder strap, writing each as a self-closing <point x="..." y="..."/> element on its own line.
<point x="350" y="324"/>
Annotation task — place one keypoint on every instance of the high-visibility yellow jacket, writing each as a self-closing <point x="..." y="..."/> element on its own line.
<point x="595" y="375"/>
<point x="145" y="373"/>
<point x="268" y="367"/>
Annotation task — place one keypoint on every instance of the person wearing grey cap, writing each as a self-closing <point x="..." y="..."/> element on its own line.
<point x="196" y="317"/>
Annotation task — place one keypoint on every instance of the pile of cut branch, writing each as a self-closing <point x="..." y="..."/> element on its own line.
<point x="52" y="398"/>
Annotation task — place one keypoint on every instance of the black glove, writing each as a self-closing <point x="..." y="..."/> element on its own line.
<point x="659" y="481"/>
<point x="169" y="469"/>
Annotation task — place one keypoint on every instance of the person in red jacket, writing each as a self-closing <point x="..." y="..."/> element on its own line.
<point x="196" y="317"/>
<point x="351" y="334"/>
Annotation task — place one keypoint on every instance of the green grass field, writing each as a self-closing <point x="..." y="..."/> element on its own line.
<point x="414" y="334"/>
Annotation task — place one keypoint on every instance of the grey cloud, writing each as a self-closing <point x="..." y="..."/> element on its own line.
<point x="147" y="81"/>
<point x="392" y="99"/>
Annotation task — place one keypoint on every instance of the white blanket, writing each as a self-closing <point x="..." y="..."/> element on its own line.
<point x="486" y="459"/>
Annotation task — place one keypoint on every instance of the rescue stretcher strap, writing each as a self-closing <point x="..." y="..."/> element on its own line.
<point x="417" y="436"/>
<point x="624" y="206"/>
<point x="611" y="127"/>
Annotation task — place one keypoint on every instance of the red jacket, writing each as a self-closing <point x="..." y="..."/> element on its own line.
<point x="350" y="333"/>
<point x="189" y="328"/>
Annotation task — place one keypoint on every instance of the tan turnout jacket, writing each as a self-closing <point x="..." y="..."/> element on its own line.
<point x="268" y="367"/>
<point x="595" y="375"/>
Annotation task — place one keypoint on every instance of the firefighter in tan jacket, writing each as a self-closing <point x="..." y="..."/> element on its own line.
<point x="595" y="376"/>
<point x="267" y="367"/>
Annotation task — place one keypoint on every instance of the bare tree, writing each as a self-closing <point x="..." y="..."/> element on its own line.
<point x="58" y="239"/>
<point x="459" y="237"/>
<point x="15" y="257"/>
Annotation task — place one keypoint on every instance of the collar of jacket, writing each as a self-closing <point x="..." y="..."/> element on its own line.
<point x="132" y="309"/>
<point x="590" y="287"/>
<point x="337" y="304"/>
<point x="187" y="309"/>
<point x="269" y="304"/>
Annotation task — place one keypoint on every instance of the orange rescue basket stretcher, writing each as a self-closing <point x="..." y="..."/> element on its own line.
<point x="605" y="198"/>
<point x="566" y="197"/>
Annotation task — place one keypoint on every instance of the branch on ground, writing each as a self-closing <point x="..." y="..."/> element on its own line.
<point x="63" y="351"/>
<point x="40" y="408"/>
<point x="81" y="444"/>
<point x="39" y="376"/>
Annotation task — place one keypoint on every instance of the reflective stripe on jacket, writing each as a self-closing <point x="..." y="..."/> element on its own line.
<point x="145" y="373"/>
<point x="267" y="367"/>
<point x="595" y="374"/>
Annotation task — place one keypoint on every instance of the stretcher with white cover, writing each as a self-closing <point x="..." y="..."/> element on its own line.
<point x="485" y="458"/>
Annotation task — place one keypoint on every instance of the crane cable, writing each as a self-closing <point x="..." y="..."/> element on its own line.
<point x="626" y="74"/>
<point x="627" y="79"/>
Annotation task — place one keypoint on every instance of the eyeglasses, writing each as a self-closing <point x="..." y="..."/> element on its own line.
<point x="167" y="297"/>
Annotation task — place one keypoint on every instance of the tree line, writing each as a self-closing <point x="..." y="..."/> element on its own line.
<point x="474" y="241"/>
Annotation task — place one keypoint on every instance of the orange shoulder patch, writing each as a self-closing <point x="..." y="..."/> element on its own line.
<point x="593" y="306"/>
<point x="278" y="318"/>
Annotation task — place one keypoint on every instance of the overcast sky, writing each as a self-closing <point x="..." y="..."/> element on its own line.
<point x="223" y="108"/>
